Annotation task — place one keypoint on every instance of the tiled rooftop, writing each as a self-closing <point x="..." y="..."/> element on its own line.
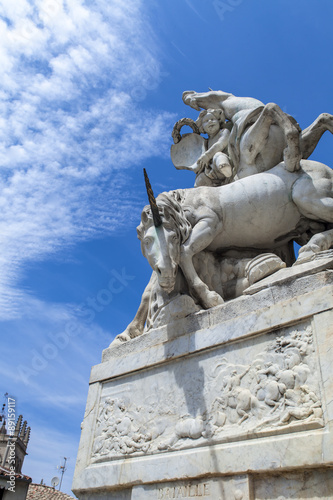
<point x="43" y="492"/>
<point x="6" y="472"/>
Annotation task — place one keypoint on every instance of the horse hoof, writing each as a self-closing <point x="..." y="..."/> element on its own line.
<point x="212" y="299"/>
<point x="327" y="120"/>
<point x="120" y="339"/>
<point x="304" y="256"/>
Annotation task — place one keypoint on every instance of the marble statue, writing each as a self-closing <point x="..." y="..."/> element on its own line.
<point x="221" y="386"/>
<point x="237" y="215"/>
<point x="261" y="135"/>
<point x="255" y="193"/>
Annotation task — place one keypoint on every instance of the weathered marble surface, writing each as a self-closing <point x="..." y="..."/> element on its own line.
<point x="213" y="397"/>
<point x="221" y="385"/>
<point x="240" y="232"/>
<point x="255" y="194"/>
<point x="231" y="403"/>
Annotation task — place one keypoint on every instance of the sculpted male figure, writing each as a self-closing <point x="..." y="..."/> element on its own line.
<point x="262" y="135"/>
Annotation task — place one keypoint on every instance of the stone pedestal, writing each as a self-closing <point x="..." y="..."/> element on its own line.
<point x="235" y="402"/>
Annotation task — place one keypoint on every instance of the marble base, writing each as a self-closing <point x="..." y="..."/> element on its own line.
<point x="231" y="403"/>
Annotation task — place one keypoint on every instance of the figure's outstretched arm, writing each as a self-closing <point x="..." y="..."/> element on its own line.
<point x="206" y="100"/>
<point x="136" y="327"/>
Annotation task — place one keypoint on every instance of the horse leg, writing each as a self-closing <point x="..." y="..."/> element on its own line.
<point x="318" y="243"/>
<point x="202" y="235"/>
<point x="262" y="144"/>
<point x="313" y="193"/>
<point x="291" y="154"/>
<point x="313" y="196"/>
<point x="255" y="137"/>
<point x="310" y="136"/>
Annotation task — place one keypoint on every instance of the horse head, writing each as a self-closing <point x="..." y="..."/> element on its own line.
<point x="162" y="231"/>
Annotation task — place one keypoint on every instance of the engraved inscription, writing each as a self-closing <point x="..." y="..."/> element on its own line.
<point x="184" y="491"/>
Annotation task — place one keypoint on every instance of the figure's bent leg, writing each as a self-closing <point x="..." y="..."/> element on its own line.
<point x="221" y="166"/>
<point x="212" y="99"/>
<point x="310" y="136"/>
<point x="243" y="414"/>
<point x="136" y="327"/>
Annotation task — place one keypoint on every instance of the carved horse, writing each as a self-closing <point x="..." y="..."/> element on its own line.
<point x="263" y="212"/>
<point x="262" y="135"/>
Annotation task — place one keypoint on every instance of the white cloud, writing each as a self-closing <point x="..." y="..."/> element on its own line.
<point x="70" y="123"/>
<point x="52" y="398"/>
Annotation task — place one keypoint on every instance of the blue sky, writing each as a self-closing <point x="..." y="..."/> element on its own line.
<point x="89" y="94"/>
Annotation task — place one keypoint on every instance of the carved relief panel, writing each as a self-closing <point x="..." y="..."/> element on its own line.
<point x="264" y="385"/>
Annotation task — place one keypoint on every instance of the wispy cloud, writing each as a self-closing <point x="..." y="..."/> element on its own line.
<point x="70" y="124"/>
<point x="53" y="396"/>
<point x="53" y="343"/>
<point x="47" y="370"/>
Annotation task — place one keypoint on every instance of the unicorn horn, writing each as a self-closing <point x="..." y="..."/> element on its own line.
<point x="152" y="202"/>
